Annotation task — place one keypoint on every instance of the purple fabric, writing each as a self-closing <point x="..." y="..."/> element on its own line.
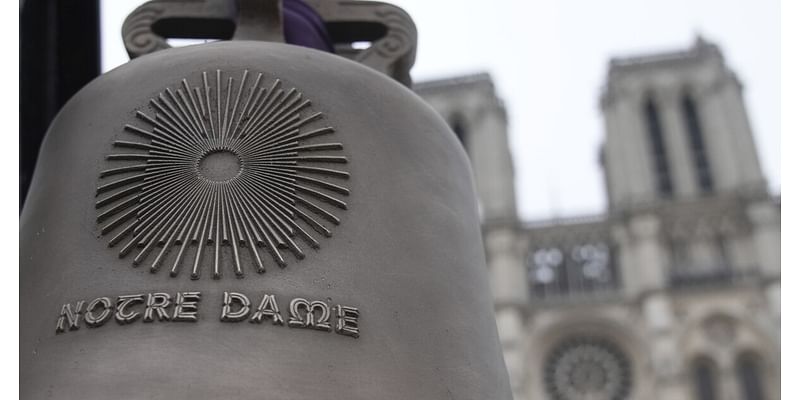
<point x="302" y="26"/>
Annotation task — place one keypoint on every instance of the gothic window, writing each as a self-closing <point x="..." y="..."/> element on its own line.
<point x="459" y="126"/>
<point x="587" y="368"/>
<point x="683" y="269"/>
<point x="696" y="143"/>
<point x="748" y="372"/>
<point x="721" y="246"/>
<point x="571" y="269"/>
<point x="658" y="149"/>
<point x="592" y="259"/>
<point x="700" y="261"/>
<point x="546" y="270"/>
<point x="705" y="376"/>
<point x="680" y="256"/>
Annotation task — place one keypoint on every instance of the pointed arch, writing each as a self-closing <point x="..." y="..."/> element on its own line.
<point x="697" y="146"/>
<point x="705" y="376"/>
<point x="749" y="373"/>
<point x="658" y="148"/>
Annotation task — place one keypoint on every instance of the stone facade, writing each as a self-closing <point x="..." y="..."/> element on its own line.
<point x="673" y="293"/>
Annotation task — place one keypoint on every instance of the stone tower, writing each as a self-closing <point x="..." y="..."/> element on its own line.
<point x="697" y="233"/>
<point x="676" y="129"/>
<point x="674" y="292"/>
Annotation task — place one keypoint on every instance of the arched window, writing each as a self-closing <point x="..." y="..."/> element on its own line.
<point x="705" y="379"/>
<point x="572" y="269"/>
<point x="749" y="373"/>
<point x="658" y="149"/>
<point x="696" y="143"/>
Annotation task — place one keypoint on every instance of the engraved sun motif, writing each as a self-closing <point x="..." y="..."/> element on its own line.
<point x="222" y="167"/>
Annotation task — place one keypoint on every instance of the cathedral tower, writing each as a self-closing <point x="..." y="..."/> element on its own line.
<point x="676" y="128"/>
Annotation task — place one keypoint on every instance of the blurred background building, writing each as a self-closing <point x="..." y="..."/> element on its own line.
<point x="674" y="292"/>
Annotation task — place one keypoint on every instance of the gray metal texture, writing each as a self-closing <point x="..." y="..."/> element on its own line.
<point x="392" y="302"/>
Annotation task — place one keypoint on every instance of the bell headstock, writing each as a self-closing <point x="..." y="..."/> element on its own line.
<point x="388" y="33"/>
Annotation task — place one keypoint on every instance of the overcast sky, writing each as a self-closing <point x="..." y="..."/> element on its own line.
<point x="549" y="58"/>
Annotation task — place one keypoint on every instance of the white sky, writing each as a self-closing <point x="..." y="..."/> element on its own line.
<point x="549" y="58"/>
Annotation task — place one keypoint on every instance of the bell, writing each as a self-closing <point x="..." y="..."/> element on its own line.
<point x="250" y="219"/>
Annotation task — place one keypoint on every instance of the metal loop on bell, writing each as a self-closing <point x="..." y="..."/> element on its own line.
<point x="147" y="28"/>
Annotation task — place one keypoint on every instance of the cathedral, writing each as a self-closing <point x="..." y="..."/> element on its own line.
<point x="673" y="292"/>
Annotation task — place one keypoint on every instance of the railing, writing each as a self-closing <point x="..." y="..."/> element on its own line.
<point x="599" y="292"/>
<point x="540" y="296"/>
<point x="717" y="277"/>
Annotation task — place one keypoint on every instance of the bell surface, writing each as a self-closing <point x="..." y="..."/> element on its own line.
<point x="253" y="220"/>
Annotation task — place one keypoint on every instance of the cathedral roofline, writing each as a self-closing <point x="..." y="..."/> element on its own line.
<point x="480" y="78"/>
<point x="700" y="50"/>
<point x="565" y="221"/>
<point x="721" y="202"/>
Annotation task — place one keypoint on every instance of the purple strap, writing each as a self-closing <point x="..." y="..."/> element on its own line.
<point x="302" y="26"/>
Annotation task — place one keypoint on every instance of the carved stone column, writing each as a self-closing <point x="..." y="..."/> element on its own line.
<point x="766" y="237"/>
<point x="721" y="149"/>
<point x="626" y="262"/>
<point x="648" y="253"/>
<point x="676" y="140"/>
<point x="631" y="174"/>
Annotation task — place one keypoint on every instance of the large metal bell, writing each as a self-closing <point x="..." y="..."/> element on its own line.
<point x="253" y="220"/>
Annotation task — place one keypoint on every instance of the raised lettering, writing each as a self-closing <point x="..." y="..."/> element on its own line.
<point x="186" y="306"/>
<point x="347" y="321"/>
<point x="236" y="307"/>
<point x="268" y="308"/>
<point x="309" y="319"/>
<point x="93" y="320"/>
<point x="70" y="316"/>
<point x="228" y="300"/>
<point x="157" y="302"/>
<point x="122" y="315"/>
